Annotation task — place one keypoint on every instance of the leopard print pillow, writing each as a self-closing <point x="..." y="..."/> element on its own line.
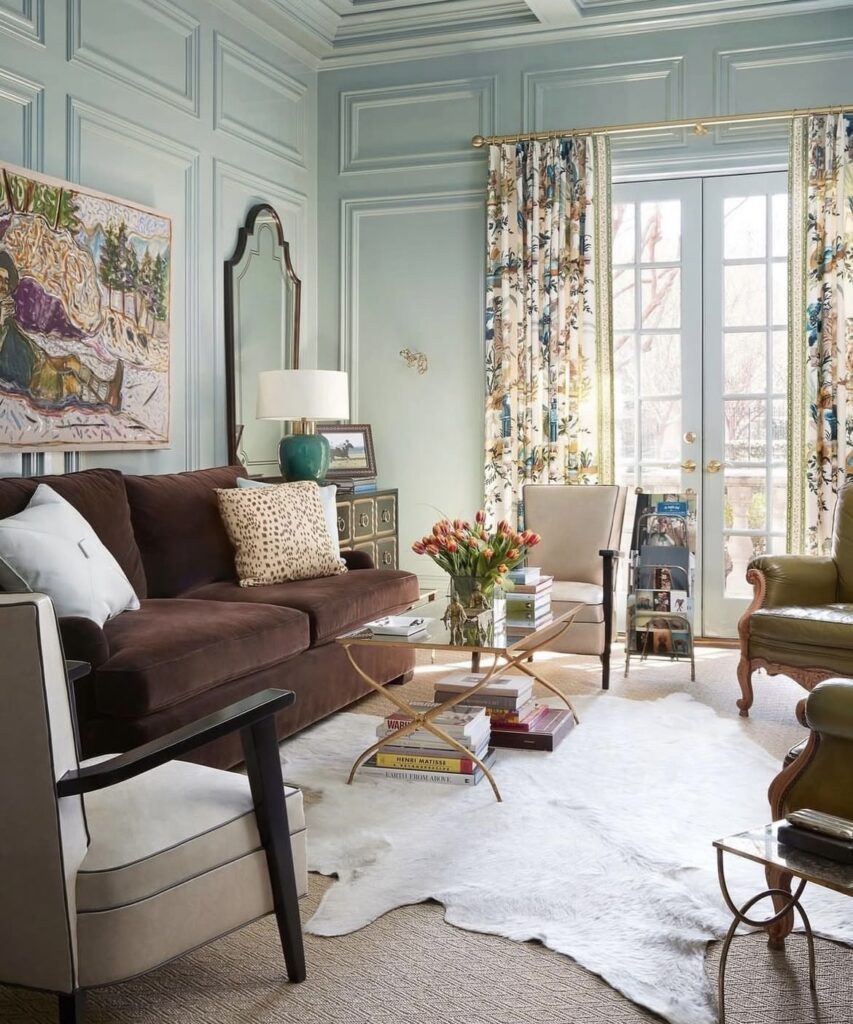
<point x="278" y="533"/>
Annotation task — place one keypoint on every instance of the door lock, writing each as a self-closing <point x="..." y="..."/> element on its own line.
<point x="689" y="466"/>
<point x="714" y="466"/>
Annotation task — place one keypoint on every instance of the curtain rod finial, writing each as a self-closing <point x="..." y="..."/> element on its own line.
<point x="478" y="142"/>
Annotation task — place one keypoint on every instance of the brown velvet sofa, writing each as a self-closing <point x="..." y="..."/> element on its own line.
<point x="199" y="642"/>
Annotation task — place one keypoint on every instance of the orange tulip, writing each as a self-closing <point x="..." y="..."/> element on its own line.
<point x="503" y="568"/>
<point x="512" y="553"/>
<point x="480" y="517"/>
<point x="488" y="554"/>
<point x="451" y="545"/>
<point x="419" y="547"/>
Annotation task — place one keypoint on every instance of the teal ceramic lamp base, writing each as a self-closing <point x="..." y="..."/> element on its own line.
<point x="304" y="457"/>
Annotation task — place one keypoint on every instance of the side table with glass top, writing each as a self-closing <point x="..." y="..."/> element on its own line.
<point x="762" y="846"/>
<point x="507" y="653"/>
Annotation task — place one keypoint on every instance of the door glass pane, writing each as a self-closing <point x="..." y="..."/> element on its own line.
<point x="745" y="499"/>
<point x="745" y="430"/>
<point x="745" y="227"/>
<point x="624" y="394"/>
<point x="745" y="291"/>
<point x="779" y="429"/>
<point x="661" y="298"/>
<point x="780" y="361"/>
<point x="659" y="478"/>
<point x="780" y="225"/>
<point x="780" y="293"/>
<point x="745" y="362"/>
<point x="660" y="429"/>
<point x="624" y="306"/>
<point x="779" y="501"/>
<point x="623" y="232"/>
<point x="660" y="364"/>
<point x="661" y="227"/>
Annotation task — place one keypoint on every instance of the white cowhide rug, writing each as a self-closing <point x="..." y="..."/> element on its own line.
<point x="601" y="850"/>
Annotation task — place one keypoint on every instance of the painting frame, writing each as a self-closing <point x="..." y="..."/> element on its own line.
<point x="338" y="470"/>
<point x="100" y="374"/>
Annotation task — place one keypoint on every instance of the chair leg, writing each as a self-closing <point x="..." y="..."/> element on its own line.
<point x="744" y="677"/>
<point x="72" y="1007"/>
<point x="605" y="669"/>
<point x="263" y="766"/>
<point x="781" y="929"/>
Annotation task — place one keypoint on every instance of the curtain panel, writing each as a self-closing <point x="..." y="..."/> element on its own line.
<point x="549" y="345"/>
<point x="820" y="325"/>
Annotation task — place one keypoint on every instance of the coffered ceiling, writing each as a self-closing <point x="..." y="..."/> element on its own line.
<point x="336" y="33"/>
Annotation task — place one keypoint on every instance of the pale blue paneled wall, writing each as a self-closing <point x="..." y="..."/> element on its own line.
<point x="402" y="220"/>
<point x="172" y="104"/>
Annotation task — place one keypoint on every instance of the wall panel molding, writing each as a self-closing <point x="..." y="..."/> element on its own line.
<point x="657" y="89"/>
<point x="740" y="74"/>
<point x="280" y="99"/>
<point x="472" y="100"/>
<point x="82" y="118"/>
<point x="353" y="211"/>
<point x="163" y="15"/>
<point x="29" y="98"/>
<point x="24" y="21"/>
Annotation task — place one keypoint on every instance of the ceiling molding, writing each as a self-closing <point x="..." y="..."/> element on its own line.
<point x="332" y="34"/>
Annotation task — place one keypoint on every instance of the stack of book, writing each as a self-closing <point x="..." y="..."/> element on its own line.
<point x="528" y="604"/>
<point x="421" y="756"/>
<point x="515" y="718"/>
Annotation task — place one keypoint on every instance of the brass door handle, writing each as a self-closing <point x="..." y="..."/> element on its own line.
<point x="689" y="465"/>
<point x="714" y="466"/>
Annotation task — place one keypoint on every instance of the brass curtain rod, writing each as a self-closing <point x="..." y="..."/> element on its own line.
<point x="699" y="125"/>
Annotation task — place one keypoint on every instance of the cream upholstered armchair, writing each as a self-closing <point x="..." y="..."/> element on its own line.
<point x="580" y="528"/>
<point x="110" y="868"/>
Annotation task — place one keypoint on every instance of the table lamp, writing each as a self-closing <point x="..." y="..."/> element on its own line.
<point x="303" y="396"/>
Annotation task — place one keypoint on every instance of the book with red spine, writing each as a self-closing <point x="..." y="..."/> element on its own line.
<point x="527" y="724"/>
<point x="548" y="734"/>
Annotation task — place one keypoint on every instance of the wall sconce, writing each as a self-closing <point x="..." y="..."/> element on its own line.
<point x="416" y="360"/>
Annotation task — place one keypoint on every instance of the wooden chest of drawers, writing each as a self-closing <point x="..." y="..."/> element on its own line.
<point x="368" y="522"/>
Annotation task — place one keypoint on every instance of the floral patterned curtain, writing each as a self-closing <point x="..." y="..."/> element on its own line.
<point x="549" y="382"/>
<point x="820" y="415"/>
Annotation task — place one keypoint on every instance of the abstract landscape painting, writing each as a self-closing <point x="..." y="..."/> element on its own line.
<point x="84" y="318"/>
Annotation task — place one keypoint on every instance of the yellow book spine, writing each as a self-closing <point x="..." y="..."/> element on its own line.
<point x="425" y="763"/>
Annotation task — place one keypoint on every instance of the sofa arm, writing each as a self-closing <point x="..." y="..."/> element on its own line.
<point x="829" y="708"/>
<point x="83" y="640"/>
<point x="357" y="560"/>
<point x="805" y="580"/>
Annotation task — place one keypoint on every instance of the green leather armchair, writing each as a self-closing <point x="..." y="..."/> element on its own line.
<point x="820" y="776"/>
<point x="800" y="621"/>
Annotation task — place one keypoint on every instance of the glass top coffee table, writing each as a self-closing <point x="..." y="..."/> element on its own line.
<point x="440" y="635"/>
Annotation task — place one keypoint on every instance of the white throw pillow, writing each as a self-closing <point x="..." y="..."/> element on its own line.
<point x="328" y="494"/>
<point x="49" y="548"/>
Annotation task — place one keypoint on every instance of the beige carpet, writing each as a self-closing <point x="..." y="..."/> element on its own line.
<point x="412" y="967"/>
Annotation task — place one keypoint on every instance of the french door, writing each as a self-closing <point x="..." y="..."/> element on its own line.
<point x="700" y="342"/>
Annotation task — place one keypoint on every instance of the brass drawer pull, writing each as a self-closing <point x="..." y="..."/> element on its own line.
<point x="363" y="519"/>
<point x="386" y="515"/>
<point x="386" y="558"/>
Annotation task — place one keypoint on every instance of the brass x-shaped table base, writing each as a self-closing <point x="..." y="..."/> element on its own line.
<point x="512" y="658"/>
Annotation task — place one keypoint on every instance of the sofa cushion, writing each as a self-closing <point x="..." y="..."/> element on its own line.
<point x="49" y="548"/>
<point x="179" y="530"/>
<point x="171" y="649"/>
<point x="334" y="604"/>
<point x="205" y="818"/>
<point x="827" y="627"/>
<point x="100" y="498"/>
<point x="279" y="533"/>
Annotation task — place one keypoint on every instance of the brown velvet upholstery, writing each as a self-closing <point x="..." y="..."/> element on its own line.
<point x="179" y="530"/>
<point x="334" y="604"/>
<point x="321" y="678"/>
<point x="171" y="650"/>
<point x="200" y="641"/>
<point x="100" y="498"/>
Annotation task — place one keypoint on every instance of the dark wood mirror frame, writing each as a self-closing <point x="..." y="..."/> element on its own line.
<point x="231" y="339"/>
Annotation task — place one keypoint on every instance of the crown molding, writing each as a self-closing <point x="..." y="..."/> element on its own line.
<point x="333" y="34"/>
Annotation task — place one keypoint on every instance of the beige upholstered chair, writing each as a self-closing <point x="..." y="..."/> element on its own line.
<point x="110" y="868"/>
<point x="580" y="529"/>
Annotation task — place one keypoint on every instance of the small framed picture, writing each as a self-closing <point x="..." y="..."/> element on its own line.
<point x="352" y="454"/>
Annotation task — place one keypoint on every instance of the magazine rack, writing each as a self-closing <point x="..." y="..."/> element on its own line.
<point x="661" y="571"/>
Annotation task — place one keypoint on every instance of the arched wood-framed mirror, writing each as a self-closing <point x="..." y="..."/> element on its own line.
<point x="262" y="307"/>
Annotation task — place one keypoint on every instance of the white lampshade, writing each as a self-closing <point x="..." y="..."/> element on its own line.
<point x="303" y="395"/>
